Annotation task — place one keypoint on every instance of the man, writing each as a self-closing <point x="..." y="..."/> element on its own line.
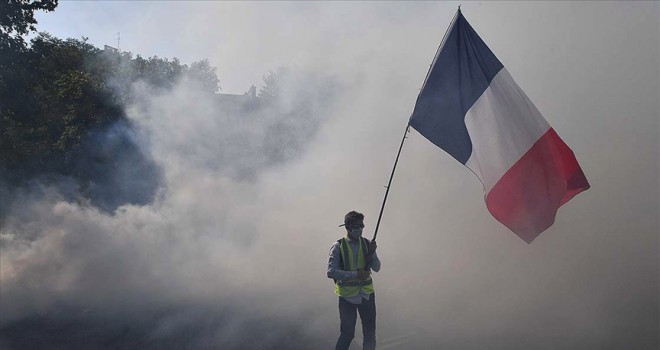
<point x="350" y="263"/>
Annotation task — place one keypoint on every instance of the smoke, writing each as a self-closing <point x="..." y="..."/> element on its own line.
<point x="190" y="255"/>
<point x="117" y="169"/>
<point x="231" y="250"/>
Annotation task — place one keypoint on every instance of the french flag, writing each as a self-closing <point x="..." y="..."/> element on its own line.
<point x="470" y="107"/>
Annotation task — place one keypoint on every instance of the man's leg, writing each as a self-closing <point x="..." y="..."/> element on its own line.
<point x="368" y="318"/>
<point x="347" y="317"/>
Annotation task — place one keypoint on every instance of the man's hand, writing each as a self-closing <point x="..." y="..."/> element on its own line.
<point x="372" y="247"/>
<point x="363" y="275"/>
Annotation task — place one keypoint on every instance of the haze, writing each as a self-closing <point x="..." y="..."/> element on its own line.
<point x="242" y="260"/>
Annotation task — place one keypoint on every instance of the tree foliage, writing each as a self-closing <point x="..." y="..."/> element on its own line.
<point x="63" y="103"/>
<point x="56" y="93"/>
<point x="272" y="83"/>
<point x="17" y="19"/>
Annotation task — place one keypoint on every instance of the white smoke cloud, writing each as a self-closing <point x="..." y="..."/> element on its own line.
<point x="199" y="242"/>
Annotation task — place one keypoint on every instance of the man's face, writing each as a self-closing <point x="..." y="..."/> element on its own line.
<point x="354" y="229"/>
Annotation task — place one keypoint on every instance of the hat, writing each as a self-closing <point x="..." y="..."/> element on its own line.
<point x="352" y="216"/>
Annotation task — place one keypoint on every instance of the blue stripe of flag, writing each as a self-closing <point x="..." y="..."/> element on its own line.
<point x="462" y="71"/>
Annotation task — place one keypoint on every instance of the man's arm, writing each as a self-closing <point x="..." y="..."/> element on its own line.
<point x="374" y="262"/>
<point x="334" y="267"/>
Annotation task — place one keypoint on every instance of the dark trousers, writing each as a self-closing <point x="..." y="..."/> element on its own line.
<point x="348" y="317"/>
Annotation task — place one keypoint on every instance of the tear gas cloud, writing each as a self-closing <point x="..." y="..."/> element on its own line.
<point x="232" y="248"/>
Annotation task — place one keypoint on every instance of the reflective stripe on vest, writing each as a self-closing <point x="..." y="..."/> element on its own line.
<point x="355" y="283"/>
<point x="352" y="287"/>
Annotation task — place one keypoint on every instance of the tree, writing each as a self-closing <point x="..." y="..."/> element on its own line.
<point x="18" y="15"/>
<point x="272" y="84"/>
<point x="17" y="19"/>
<point x="62" y="110"/>
<point x="62" y="114"/>
<point x="204" y="74"/>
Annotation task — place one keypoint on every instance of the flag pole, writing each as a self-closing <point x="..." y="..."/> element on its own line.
<point x="389" y="183"/>
<point x="396" y="161"/>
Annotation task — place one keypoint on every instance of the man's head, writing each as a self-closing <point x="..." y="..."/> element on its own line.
<point x="354" y="223"/>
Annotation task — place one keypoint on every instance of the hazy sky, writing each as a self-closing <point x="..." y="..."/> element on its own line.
<point x="452" y="275"/>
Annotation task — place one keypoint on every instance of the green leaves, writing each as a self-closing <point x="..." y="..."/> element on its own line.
<point x="56" y="92"/>
<point x="17" y="19"/>
<point x="71" y="86"/>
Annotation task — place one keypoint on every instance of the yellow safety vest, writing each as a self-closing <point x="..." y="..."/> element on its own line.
<point x="352" y="287"/>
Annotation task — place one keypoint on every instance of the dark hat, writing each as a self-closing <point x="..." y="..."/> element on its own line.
<point x="352" y="217"/>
